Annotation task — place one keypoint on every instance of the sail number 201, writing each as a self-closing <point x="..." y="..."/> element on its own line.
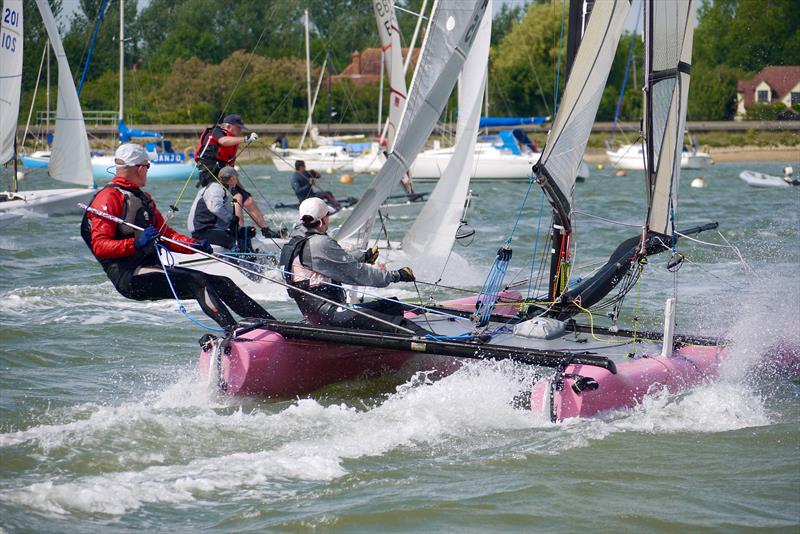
<point x="8" y="41"/>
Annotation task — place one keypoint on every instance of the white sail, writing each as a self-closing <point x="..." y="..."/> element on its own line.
<point x="669" y="29"/>
<point x="10" y="75"/>
<point x="70" y="159"/>
<point x="558" y="165"/>
<point x="434" y="230"/>
<point x="389" y="33"/>
<point x="452" y="29"/>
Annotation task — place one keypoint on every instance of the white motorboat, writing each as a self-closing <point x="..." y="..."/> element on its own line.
<point x="759" y="179"/>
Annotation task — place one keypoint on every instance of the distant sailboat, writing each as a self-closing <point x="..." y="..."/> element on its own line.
<point x="70" y="158"/>
<point x="166" y="164"/>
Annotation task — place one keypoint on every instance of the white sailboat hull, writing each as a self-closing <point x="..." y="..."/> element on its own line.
<point x="320" y="158"/>
<point x="46" y="201"/>
<point x="629" y="158"/>
<point x="429" y="165"/>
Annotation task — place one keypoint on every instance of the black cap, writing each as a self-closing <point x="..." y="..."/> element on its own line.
<point x="234" y="119"/>
<point x="299" y="163"/>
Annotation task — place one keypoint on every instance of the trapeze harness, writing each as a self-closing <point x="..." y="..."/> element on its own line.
<point x="210" y="155"/>
<point x="315" y="310"/>
<point x="137" y="209"/>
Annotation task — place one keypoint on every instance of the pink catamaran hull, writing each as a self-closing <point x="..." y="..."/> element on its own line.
<point x="689" y="366"/>
<point x="265" y="363"/>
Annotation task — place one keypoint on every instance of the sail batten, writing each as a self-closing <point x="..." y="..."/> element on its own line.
<point x="557" y="168"/>
<point x="11" y="28"/>
<point x="70" y="159"/>
<point x="451" y="31"/>
<point x="669" y="32"/>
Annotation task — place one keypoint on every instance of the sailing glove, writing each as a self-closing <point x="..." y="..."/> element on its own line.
<point x="146" y="238"/>
<point x="267" y="232"/>
<point x="405" y="275"/>
<point x="371" y="255"/>
<point x="252" y="137"/>
<point x="203" y="246"/>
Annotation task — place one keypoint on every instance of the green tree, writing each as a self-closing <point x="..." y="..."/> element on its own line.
<point x="735" y="39"/>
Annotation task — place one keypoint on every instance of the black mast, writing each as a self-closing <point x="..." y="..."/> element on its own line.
<point x="579" y="11"/>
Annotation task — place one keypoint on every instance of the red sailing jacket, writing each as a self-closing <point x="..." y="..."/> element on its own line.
<point x="208" y="148"/>
<point x="106" y="243"/>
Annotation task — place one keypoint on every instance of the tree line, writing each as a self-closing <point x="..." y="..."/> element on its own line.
<point x="186" y="60"/>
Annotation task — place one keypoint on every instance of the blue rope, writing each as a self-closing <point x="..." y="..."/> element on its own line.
<point x="181" y="307"/>
<point x="91" y="46"/>
<point x="531" y="181"/>
<point x="490" y="291"/>
<point x="536" y="244"/>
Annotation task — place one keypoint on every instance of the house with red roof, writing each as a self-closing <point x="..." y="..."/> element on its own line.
<point x="365" y="67"/>
<point x="771" y="85"/>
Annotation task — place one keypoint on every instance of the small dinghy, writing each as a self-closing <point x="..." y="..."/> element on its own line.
<point x="759" y="179"/>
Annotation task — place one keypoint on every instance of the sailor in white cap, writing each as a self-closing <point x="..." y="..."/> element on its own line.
<point x="316" y="263"/>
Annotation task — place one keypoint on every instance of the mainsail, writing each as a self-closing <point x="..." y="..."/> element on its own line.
<point x="10" y="75"/>
<point x="389" y="33"/>
<point x="669" y="29"/>
<point x="557" y="168"/>
<point x="453" y="27"/>
<point x="434" y="230"/>
<point x="70" y="159"/>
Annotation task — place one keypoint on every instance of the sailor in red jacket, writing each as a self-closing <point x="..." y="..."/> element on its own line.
<point x="216" y="150"/>
<point x="130" y="259"/>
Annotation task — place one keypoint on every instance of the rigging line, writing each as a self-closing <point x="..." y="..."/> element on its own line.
<point x="222" y="259"/>
<point x="539" y="83"/>
<point x="738" y="252"/>
<point x="90" y="45"/>
<point x="536" y="243"/>
<point x="699" y="266"/>
<point x="33" y="100"/>
<point x="598" y="217"/>
<point x="560" y="51"/>
<point x="244" y="69"/>
<point x="181" y="307"/>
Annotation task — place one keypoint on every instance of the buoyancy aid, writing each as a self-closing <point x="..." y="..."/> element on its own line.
<point x="296" y="250"/>
<point x="204" y="218"/>
<point x="138" y="210"/>
<point x="210" y="154"/>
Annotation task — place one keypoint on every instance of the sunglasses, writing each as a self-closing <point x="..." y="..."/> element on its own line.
<point x="144" y="165"/>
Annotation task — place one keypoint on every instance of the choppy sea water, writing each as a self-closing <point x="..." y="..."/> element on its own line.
<point x="104" y="425"/>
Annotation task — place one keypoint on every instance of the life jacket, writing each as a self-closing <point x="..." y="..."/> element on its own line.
<point x="296" y="249"/>
<point x="204" y="218"/>
<point x="138" y="209"/>
<point x="210" y="154"/>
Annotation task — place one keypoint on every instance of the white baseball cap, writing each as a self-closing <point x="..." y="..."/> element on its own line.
<point x="315" y="208"/>
<point x="130" y="155"/>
